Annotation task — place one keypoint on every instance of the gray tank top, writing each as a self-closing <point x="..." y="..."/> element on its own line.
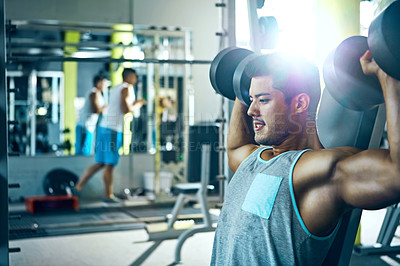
<point x="259" y="222"/>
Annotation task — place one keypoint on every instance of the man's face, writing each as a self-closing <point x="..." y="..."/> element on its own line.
<point x="269" y="111"/>
<point x="132" y="79"/>
<point x="104" y="83"/>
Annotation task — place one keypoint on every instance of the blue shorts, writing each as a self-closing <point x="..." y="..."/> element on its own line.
<point x="108" y="143"/>
<point x="83" y="141"/>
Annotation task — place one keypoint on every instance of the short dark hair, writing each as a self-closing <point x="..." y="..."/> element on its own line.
<point x="98" y="78"/>
<point x="292" y="75"/>
<point x="128" y="71"/>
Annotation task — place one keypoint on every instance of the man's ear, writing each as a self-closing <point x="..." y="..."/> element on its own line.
<point x="301" y="103"/>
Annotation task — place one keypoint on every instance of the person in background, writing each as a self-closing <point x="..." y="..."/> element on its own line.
<point x="109" y="136"/>
<point x="89" y="115"/>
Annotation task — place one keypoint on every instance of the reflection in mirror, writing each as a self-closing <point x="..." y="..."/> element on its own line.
<point x="47" y="90"/>
<point x="37" y="112"/>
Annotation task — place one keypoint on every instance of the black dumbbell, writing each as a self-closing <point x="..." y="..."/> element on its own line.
<point x="223" y="68"/>
<point x="232" y="69"/>
<point x="243" y="74"/>
<point x="342" y="71"/>
<point x="384" y="39"/>
<point x="345" y="80"/>
<point x="230" y="72"/>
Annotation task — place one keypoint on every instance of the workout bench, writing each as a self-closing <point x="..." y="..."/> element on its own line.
<point x="185" y="191"/>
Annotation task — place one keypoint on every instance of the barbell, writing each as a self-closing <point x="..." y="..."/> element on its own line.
<point x="342" y="71"/>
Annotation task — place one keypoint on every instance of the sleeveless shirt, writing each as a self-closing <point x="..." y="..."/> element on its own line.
<point x="260" y="223"/>
<point x="87" y="118"/>
<point x="113" y="117"/>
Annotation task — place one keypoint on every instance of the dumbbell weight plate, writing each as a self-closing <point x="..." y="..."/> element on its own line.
<point x="223" y="67"/>
<point x="242" y="76"/>
<point x="345" y="79"/>
<point x="57" y="180"/>
<point x="384" y="39"/>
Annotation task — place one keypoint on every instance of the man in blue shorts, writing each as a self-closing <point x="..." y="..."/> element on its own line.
<point x="109" y="136"/>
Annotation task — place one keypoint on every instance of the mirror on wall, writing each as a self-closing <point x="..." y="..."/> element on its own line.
<point x="45" y="95"/>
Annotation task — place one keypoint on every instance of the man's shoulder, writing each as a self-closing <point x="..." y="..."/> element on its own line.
<point x="319" y="164"/>
<point x="120" y="85"/>
<point x="331" y="153"/>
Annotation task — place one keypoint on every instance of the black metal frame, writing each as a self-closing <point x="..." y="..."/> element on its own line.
<point x="4" y="245"/>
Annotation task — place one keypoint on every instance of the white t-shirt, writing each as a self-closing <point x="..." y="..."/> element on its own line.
<point x="113" y="117"/>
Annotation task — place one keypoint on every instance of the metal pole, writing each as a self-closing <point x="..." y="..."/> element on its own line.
<point x="228" y="38"/>
<point x="253" y="24"/>
<point x="32" y="103"/>
<point x="4" y="248"/>
<point x="17" y="59"/>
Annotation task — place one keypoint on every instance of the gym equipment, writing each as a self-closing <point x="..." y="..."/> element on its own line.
<point x="59" y="182"/>
<point x="384" y="39"/>
<point x="198" y="135"/>
<point x="242" y="79"/>
<point x="342" y="69"/>
<point x="50" y="203"/>
<point x="223" y="68"/>
<point x="58" y="185"/>
<point x="174" y="228"/>
<point x="345" y="79"/>
<point x="383" y="243"/>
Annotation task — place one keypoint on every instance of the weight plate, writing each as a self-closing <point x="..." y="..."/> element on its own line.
<point x="243" y="74"/>
<point x="57" y="180"/>
<point x="384" y="39"/>
<point x="223" y="67"/>
<point x="345" y="79"/>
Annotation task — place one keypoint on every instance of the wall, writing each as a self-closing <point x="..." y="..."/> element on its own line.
<point x="29" y="172"/>
<point x="202" y="18"/>
<point x="104" y="11"/>
<point x="199" y="16"/>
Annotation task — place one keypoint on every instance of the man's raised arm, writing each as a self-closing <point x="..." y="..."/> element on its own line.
<point x="371" y="179"/>
<point x="240" y="142"/>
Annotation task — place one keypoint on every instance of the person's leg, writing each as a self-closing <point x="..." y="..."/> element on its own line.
<point x="89" y="172"/>
<point x="87" y="143"/>
<point x="99" y="163"/>
<point x="108" y="181"/>
<point x="78" y="140"/>
<point x="114" y="140"/>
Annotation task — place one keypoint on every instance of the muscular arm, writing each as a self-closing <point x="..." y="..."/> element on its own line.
<point x="127" y="107"/>
<point x="240" y="141"/>
<point x="95" y="104"/>
<point x="371" y="179"/>
<point x="329" y="182"/>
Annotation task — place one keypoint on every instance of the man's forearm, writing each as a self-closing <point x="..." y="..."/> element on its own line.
<point x="240" y="131"/>
<point x="391" y="92"/>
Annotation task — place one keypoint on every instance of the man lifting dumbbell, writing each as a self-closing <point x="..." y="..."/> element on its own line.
<point x="288" y="194"/>
<point x="285" y="203"/>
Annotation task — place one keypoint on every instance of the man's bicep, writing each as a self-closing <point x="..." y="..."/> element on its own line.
<point x="368" y="179"/>
<point x="124" y="98"/>
<point x="238" y="155"/>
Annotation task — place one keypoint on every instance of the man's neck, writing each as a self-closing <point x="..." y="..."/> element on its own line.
<point x="306" y="139"/>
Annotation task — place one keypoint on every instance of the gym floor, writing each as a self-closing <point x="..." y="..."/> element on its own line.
<point x="131" y="247"/>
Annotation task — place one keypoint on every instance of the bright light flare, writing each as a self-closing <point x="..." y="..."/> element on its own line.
<point x="296" y="22"/>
